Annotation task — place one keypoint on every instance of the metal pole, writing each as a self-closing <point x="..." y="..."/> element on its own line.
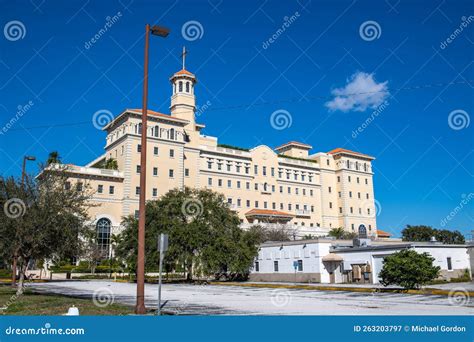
<point x="158" y="310"/>
<point x="140" y="305"/>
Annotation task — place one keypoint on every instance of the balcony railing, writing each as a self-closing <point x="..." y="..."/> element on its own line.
<point x="300" y="212"/>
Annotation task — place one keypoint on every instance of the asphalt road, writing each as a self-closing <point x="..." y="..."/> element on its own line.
<point x="236" y="300"/>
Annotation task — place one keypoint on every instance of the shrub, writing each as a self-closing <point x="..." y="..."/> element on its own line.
<point x="408" y="269"/>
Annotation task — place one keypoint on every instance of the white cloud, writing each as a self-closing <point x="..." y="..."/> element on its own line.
<point x="361" y="92"/>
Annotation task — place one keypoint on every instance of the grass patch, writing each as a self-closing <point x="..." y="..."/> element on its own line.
<point x="31" y="303"/>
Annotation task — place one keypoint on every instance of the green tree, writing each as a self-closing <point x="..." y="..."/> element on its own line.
<point x="54" y="158"/>
<point x="408" y="269"/>
<point x="110" y="164"/>
<point x="204" y="235"/>
<point x="425" y="233"/>
<point x="41" y="219"/>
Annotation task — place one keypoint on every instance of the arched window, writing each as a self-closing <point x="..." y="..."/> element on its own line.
<point x="172" y="134"/>
<point x="103" y="228"/>
<point x="187" y="87"/>
<point x="157" y="130"/>
<point x="180" y="86"/>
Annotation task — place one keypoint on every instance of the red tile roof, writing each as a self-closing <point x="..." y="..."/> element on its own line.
<point x="343" y="150"/>
<point x="265" y="212"/>
<point x="381" y="233"/>
<point x="184" y="72"/>
<point x="297" y="143"/>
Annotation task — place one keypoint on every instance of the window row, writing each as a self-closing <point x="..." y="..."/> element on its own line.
<point x="265" y="187"/>
<point x="266" y="205"/>
<point x="349" y="179"/>
<point x="282" y="173"/>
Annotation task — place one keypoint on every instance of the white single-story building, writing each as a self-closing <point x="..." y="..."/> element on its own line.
<point x="344" y="261"/>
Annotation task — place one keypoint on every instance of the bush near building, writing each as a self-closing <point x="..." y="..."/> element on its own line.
<point x="408" y="269"/>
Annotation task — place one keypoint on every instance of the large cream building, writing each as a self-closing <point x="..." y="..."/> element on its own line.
<point x="286" y="185"/>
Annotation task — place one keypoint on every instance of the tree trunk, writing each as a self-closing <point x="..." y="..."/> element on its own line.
<point x="189" y="275"/>
<point x="21" y="280"/>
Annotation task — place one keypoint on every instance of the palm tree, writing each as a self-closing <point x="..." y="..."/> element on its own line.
<point x="54" y="158"/>
<point x="111" y="164"/>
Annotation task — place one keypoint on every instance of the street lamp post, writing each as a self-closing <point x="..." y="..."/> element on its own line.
<point x="140" y="305"/>
<point x="23" y="176"/>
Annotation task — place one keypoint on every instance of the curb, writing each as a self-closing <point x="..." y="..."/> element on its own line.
<point x="426" y="291"/>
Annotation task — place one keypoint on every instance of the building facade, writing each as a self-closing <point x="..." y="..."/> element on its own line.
<point x="342" y="261"/>
<point x="287" y="185"/>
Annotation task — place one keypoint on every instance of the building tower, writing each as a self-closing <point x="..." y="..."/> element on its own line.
<point x="183" y="101"/>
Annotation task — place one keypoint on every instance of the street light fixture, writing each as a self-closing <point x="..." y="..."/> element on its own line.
<point x="140" y="305"/>
<point x="23" y="176"/>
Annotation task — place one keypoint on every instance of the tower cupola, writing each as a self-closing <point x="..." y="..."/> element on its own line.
<point x="183" y="101"/>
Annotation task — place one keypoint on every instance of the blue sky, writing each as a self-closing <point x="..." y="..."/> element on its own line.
<point x="247" y="69"/>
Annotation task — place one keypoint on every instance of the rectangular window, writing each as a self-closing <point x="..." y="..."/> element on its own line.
<point x="350" y="194"/>
<point x="264" y="170"/>
<point x="111" y="190"/>
<point x="155" y="171"/>
<point x="256" y="186"/>
<point x="139" y="148"/>
<point x="155" y="151"/>
<point x="330" y="205"/>
<point x="349" y="179"/>
<point x="275" y="266"/>
<point x="248" y="203"/>
<point x="257" y="266"/>
<point x="340" y="210"/>
<point x="209" y="165"/>
<point x="219" y="182"/>
<point x="137" y="190"/>
<point x="238" y="184"/>
<point x="155" y="192"/>
<point x="327" y="162"/>
<point x="171" y="173"/>
<point x="79" y="186"/>
<point x="229" y="183"/>
<point x="300" y="265"/>
<point x="138" y="168"/>
<point x="255" y="169"/>
<point x="186" y="172"/>
<point x="366" y="182"/>
<point x="289" y="190"/>
<point x="137" y="214"/>
<point x="228" y="167"/>
<point x="239" y="202"/>
<point x="450" y="265"/>
<point x="311" y="192"/>
<point x="256" y="204"/>
<point x="281" y="189"/>
<point x="247" y="185"/>
<point x="171" y="153"/>
<point x="265" y="205"/>
<point x="358" y="180"/>
<point x="338" y="179"/>
<point x="274" y="205"/>
<point x="273" y="172"/>
<point x="100" y="188"/>
<point x="209" y="181"/>
<point x="329" y="189"/>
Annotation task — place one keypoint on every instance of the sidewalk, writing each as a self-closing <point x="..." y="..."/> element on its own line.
<point x="438" y="289"/>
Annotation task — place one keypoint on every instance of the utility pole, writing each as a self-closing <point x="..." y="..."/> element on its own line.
<point x="140" y="305"/>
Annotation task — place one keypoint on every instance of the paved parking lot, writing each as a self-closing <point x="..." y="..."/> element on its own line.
<point x="236" y="300"/>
